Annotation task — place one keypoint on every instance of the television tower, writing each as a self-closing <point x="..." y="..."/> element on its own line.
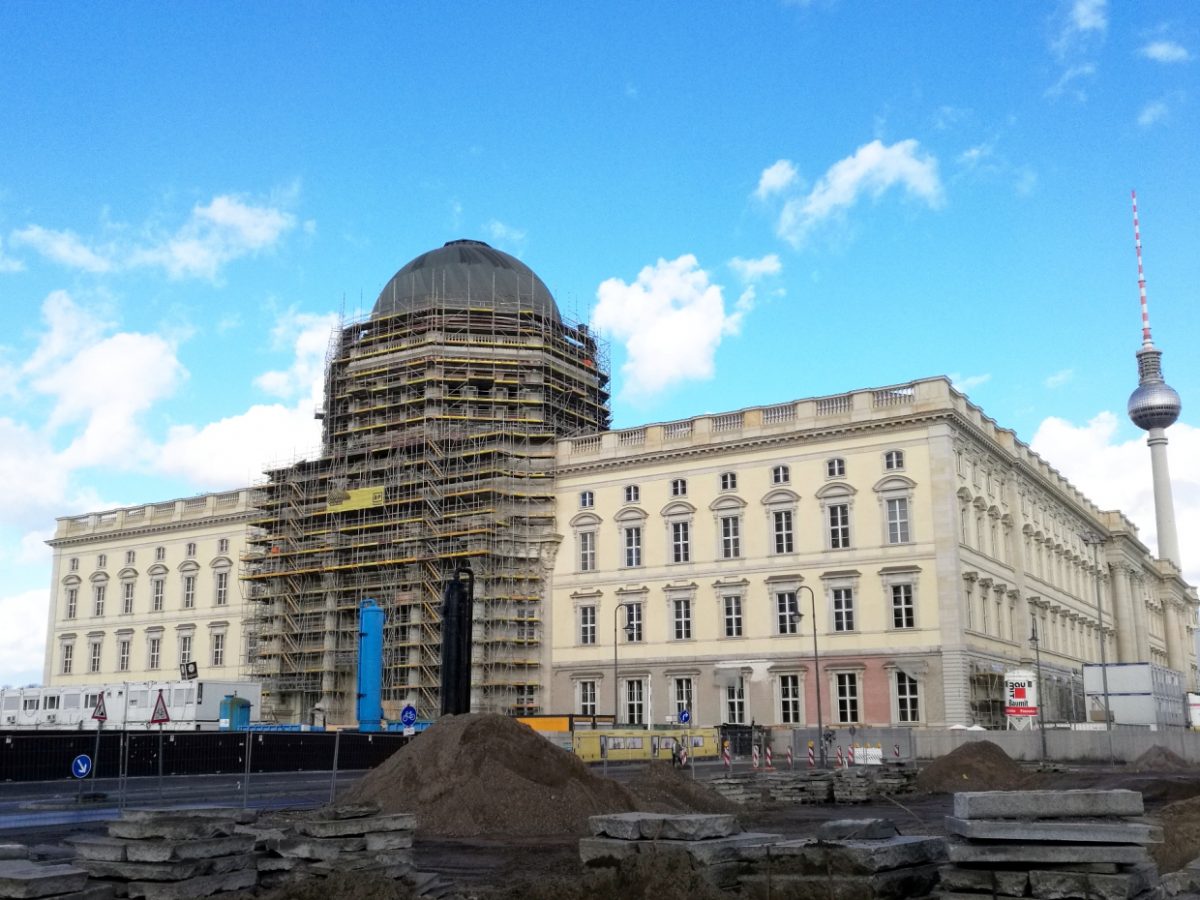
<point x="1153" y="407"/>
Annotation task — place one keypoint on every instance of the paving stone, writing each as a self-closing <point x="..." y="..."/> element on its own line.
<point x="659" y="826"/>
<point x="162" y="851"/>
<point x="141" y="871"/>
<point x="962" y="895"/>
<point x="1060" y="885"/>
<point x="857" y="829"/>
<point x="98" y="890"/>
<point x="345" y="827"/>
<point x="1074" y="830"/>
<point x="955" y="878"/>
<point x="20" y="878"/>
<point x="92" y="846"/>
<point x="260" y="833"/>
<point x="316" y="848"/>
<point x="279" y="863"/>
<point x="601" y="850"/>
<point x="194" y="887"/>
<point x="1025" y="854"/>
<point x="897" y="884"/>
<point x="812" y="857"/>
<point x="1046" y="804"/>
<point x="14" y="851"/>
<point x="349" y="811"/>
<point x="172" y="829"/>
<point x="389" y="840"/>
<point x="228" y="813"/>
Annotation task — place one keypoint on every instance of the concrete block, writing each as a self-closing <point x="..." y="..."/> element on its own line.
<point x="1001" y="881"/>
<point x="19" y="878"/>
<point x="14" y="851"/>
<point x="349" y="811"/>
<point x="94" y="891"/>
<point x="260" y="833"/>
<point x="660" y="826"/>
<point x="898" y="884"/>
<point x="316" y="848"/>
<point x="962" y="895"/>
<point x="240" y="880"/>
<point x="90" y="846"/>
<point x="171" y="829"/>
<point x="1060" y="885"/>
<point x="226" y="813"/>
<point x="608" y="851"/>
<point x="813" y="857"/>
<point x="164" y="851"/>
<point x="857" y="829"/>
<point x="1082" y="831"/>
<point x="139" y="871"/>
<point x="1046" y="804"/>
<point x="279" y="863"/>
<point x="389" y="840"/>
<point x="346" y="827"/>
<point x="1053" y="854"/>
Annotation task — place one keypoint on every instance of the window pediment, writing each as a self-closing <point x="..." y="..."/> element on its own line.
<point x="189" y="567"/>
<point x="727" y="502"/>
<point x="677" y="509"/>
<point x="899" y="483"/>
<point x="72" y="580"/>
<point x="221" y="562"/>
<point x="631" y="514"/>
<point x="158" y="569"/>
<point x="835" y="489"/>
<point x="585" y="520"/>
<point x="128" y="574"/>
<point x="98" y="577"/>
<point x="781" y="497"/>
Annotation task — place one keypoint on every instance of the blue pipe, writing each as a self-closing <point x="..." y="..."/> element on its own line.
<point x="370" y="666"/>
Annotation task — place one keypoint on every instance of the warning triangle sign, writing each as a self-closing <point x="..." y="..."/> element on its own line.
<point x="160" y="714"/>
<point x="100" y="714"/>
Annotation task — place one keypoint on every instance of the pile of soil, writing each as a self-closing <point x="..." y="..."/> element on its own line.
<point x="1159" y="759"/>
<point x="661" y="788"/>
<point x="974" y="766"/>
<point x="1181" y="835"/>
<point x="475" y="775"/>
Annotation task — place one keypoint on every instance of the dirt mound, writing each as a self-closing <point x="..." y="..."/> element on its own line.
<point x="1159" y="759"/>
<point x="487" y="774"/>
<point x="662" y="788"/>
<point x="974" y="766"/>
<point x="1181" y="835"/>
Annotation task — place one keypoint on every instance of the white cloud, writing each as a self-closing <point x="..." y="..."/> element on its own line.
<point x="973" y="156"/>
<point x="308" y="335"/>
<point x="1152" y="112"/>
<point x="505" y="236"/>
<point x="69" y="328"/>
<point x="751" y="270"/>
<point x="23" y="636"/>
<point x="1026" y="181"/>
<point x="1080" y="25"/>
<point x="966" y="383"/>
<point x="1068" y="78"/>
<point x="63" y="247"/>
<point x="8" y="263"/>
<point x="671" y="320"/>
<point x="1058" y="379"/>
<point x="1165" y="52"/>
<point x="1115" y="474"/>
<point x="775" y="178"/>
<point x="1089" y="15"/>
<point x="873" y="169"/>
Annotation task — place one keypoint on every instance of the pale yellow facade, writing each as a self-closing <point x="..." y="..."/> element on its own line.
<point x="927" y="539"/>
<point x="137" y="591"/>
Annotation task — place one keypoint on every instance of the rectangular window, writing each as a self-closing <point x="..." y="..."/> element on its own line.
<point x="681" y="545"/>
<point x="731" y="537"/>
<point x="682" y="615"/>
<point x="633" y="546"/>
<point x="93" y="656"/>
<point x="894" y="459"/>
<point x="843" y="609"/>
<point x="160" y="554"/>
<point x="154" y="652"/>
<point x="781" y="521"/>
<point x="123" y="655"/>
<point x="101" y="560"/>
<point x="733" y="615"/>
<point x="185" y="649"/>
<point x="74" y="563"/>
<point x="847" y="697"/>
<point x="729" y="481"/>
<point x="98" y="599"/>
<point x="897" y="519"/>
<point x="683" y="695"/>
<point x="632" y="493"/>
<point x="587" y="624"/>
<point x="635" y="701"/>
<point x="908" y="699"/>
<point x="789" y="699"/>
<point x="586" y="499"/>
<point x="130" y="557"/>
<point x="587" y="698"/>
<point x="191" y="550"/>
<point x="678" y="487"/>
<point x="218" y="649"/>
<point x="835" y="468"/>
<point x="839" y="526"/>
<point x="904" y="614"/>
<point x="222" y="588"/>
<point x="781" y="475"/>
<point x="633" y="622"/>
<point x="735" y="702"/>
<point x="68" y="658"/>
<point x="223" y="545"/>
<point x="158" y="589"/>
<point x="189" y="591"/>
<point x="587" y="551"/>
<point x="787" y="612"/>
<point x="72" y="602"/>
<point x="127" y="597"/>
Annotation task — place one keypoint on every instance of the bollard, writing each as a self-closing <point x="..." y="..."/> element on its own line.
<point x="839" y="756"/>
<point x="726" y="757"/>
<point x="754" y="757"/>
<point x="769" y="765"/>
<point x="812" y="755"/>
<point x="791" y="761"/>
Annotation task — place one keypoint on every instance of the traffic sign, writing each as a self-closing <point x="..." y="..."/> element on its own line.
<point x="684" y="717"/>
<point x="408" y="716"/>
<point x="100" y="714"/>
<point x="160" y="714"/>
<point x="81" y="766"/>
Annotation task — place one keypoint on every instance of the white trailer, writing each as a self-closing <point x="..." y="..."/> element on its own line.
<point x="1138" y="694"/>
<point x="191" y="705"/>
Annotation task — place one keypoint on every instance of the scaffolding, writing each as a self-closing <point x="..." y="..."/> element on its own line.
<point x="439" y="432"/>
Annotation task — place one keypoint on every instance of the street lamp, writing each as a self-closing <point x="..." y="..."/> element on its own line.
<point x="629" y="630"/>
<point x="1041" y="694"/>
<point x="1096" y="540"/>
<point x="795" y="616"/>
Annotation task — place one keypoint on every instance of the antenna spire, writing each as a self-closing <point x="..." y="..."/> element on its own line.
<point x="1137" y="243"/>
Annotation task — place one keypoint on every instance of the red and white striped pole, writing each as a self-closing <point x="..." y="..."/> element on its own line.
<point x="791" y="760"/>
<point x="769" y="757"/>
<point x="896" y="751"/>
<point x="726" y="757"/>
<point x="812" y="755"/>
<point x="839" y="756"/>
<point x="754" y="757"/>
<point x="850" y="755"/>
<point x="683" y="756"/>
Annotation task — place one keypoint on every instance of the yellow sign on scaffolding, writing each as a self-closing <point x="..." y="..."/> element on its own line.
<point x="356" y="498"/>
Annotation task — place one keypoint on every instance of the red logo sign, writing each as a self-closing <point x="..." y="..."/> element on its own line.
<point x="160" y="714"/>
<point x="100" y="714"/>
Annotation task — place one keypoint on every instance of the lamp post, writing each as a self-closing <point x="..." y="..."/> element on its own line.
<point x="1096" y="540"/>
<point x="1041" y="697"/>
<point x="796" y="616"/>
<point x="629" y="629"/>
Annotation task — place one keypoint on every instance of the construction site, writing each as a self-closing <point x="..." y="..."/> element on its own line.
<point x="441" y="413"/>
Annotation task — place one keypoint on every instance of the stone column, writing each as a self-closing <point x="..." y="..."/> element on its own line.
<point x="1123" y="621"/>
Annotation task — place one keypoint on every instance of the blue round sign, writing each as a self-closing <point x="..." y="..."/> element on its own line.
<point x="81" y="766"/>
<point x="684" y="717"/>
<point x="408" y="716"/>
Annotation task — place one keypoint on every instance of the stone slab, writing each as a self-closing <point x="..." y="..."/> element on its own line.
<point x="203" y="886"/>
<point x="316" y="848"/>
<point x="963" y="895"/>
<point x="809" y="856"/>
<point x="635" y="826"/>
<point x="1053" y="854"/>
<point x="1067" y="885"/>
<point x="14" y="851"/>
<point x="20" y="878"/>
<point x="164" y="851"/>
<point x="92" y="846"/>
<point x="606" y="850"/>
<point x="1001" y="881"/>
<point x="172" y="829"/>
<point x="897" y="884"/>
<point x="1083" y="831"/>
<point x="227" y="813"/>
<point x="857" y="829"/>
<point x="94" y="891"/>
<point x="1046" y="804"/>
<point x="142" y="871"/>
<point x="390" y="840"/>
<point x="346" y="827"/>
<point x="349" y="811"/>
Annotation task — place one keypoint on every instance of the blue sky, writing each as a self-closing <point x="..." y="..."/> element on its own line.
<point x="755" y="202"/>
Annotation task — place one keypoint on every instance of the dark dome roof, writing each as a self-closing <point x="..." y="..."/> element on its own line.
<point x="465" y="274"/>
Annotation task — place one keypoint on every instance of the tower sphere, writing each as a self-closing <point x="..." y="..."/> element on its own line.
<point x="466" y="274"/>
<point x="1154" y="405"/>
